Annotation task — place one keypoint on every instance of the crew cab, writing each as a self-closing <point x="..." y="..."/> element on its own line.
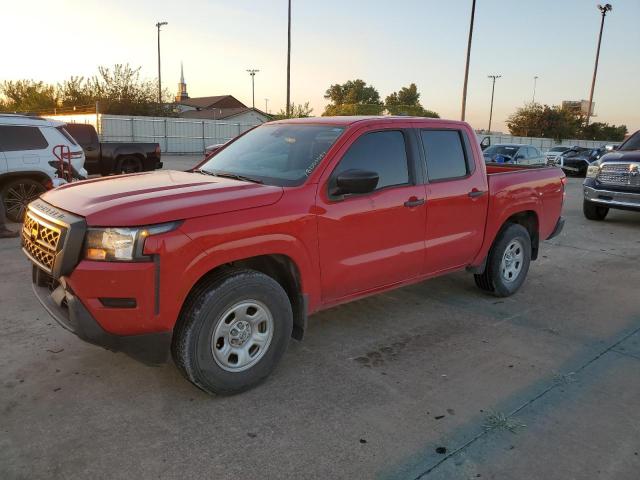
<point x="106" y="158"/>
<point x="613" y="181"/>
<point x="221" y="266"/>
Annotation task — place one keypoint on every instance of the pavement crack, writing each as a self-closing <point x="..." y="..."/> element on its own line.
<point x="470" y="442"/>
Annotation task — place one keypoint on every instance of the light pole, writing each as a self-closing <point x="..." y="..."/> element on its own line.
<point x="158" y="25"/>
<point x="266" y="105"/>
<point x="289" y="61"/>
<point x="466" y="69"/>
<point x="253" y="72"/>
<point x="493" y="88"/>
<point x="535" y="80"/>
<point x="603" y="10"/>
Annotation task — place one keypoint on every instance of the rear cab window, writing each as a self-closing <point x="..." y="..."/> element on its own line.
<point x="447" y="154"/>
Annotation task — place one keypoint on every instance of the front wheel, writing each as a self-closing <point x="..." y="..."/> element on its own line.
<point x="593" y="211"/>
<point x="17" y="194"/>
<point x="508" y="262"/>
<point x="233" y="331"/>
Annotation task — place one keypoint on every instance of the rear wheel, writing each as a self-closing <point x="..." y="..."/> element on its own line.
<point x="508" y="262"/>
<point x="233" y="331"/>
<point x="17" y="194"/>
<point x="593" y="211"/>
<point x="129" y="164"/>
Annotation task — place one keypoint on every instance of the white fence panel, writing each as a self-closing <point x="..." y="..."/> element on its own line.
<point x="175" y="135"/>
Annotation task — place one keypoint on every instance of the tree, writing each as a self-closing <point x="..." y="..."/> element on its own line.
<point x="407" y="102"/>
<point x="119" y="90"/>
<point x="604" y="131"/>
<point x="354" y="97"/>
<point x="28" y="96"/>
<point x="536" y="120"/>
<point x="297" y="111"/>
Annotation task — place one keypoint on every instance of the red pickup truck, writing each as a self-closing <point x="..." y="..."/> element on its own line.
<point x="221" y="266"/>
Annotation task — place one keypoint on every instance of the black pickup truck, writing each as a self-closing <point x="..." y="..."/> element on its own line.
<point x="106" y="158"/>
<point x="614" y="181"/>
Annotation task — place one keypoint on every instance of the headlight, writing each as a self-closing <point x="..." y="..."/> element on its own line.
<point x="121" y="244"/>
<point x="592" y="171"/>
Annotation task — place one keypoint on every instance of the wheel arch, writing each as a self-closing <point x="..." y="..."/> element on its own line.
<point x="279" y="266"/>
<point x="529" y="219"/>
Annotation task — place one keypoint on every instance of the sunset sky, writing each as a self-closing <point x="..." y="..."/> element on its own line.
<point x="387" y="44"/>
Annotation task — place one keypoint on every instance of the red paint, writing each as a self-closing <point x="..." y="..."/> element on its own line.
<point x="343" y="250"/>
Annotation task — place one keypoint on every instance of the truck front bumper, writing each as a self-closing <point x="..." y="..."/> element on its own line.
<point x="612" y="199"/>
<point x="70" y="313"/>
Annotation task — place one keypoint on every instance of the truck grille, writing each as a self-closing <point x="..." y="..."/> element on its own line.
<point x="620" y="174"/>
<point x="41" y="241"/>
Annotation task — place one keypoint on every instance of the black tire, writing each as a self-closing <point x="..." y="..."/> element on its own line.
<point x="17" y="194"/>
<point x="593" y="211"/>
<point x="493" y="280"/>
<point x="193" y="341"/>
<point x="129" y="164"/>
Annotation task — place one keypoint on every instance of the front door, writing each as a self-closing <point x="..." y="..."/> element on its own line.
<point x="374" y="239"/>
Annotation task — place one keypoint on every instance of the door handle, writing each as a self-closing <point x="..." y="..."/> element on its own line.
<point x="414" y="202"/>
<point x="476" y="193"/>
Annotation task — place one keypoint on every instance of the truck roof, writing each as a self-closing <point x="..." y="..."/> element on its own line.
<point x="367" y="119"/>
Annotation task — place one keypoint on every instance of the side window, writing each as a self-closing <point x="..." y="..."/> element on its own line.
<point x="14" y="138"/>
<point x="381" y="152"/>
<point x="533" y="152"/>
<point x="445" y="154"/>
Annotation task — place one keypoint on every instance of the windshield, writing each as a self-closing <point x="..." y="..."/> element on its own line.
<point x="509" y="150"/>
<point x="632" y="143"/>
<point x="277" y="154"/>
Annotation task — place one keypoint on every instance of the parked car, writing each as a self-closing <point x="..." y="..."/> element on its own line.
<point x="553" y="153"/>
<point x="613" y="181"/>
<point x="513" y="153"/>
<point x="221" y="266"/>
<point x="576" y="160"/>
<point x="106" y="158"/>
<point x="28" y="165"/>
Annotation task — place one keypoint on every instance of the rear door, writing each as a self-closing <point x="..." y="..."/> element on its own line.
<point x="24" y="147"/>
<point x="375" y="239"/>
<point x="86" y="137"/>
<point x="457" y="200"/>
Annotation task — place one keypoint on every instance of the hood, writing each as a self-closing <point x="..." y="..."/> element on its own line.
<point x="621" y="156"/>
<point x="158" y="197"/>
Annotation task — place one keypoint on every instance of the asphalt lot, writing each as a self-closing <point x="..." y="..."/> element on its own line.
<point x="436" y="380"/>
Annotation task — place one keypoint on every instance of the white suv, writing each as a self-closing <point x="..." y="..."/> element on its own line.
<point x="28" y="165"/>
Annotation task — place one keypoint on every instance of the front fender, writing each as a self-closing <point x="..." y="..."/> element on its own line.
<point x="245" y="248"/>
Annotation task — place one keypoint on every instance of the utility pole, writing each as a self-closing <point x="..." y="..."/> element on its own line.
<point x="253" y="72"/>
<point x="466" y="69"/>
<point x="289" y="62"/>
<point x="603" y="10"/>
<point x="493" y="88"/>
<point x="535" y="80"/>
<point x="266" y="105"/>
<point x="158" y="25"/>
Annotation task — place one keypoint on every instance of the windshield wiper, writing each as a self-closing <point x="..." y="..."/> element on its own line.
<point x="235" y="176"/>
<point x="204" y="172"/>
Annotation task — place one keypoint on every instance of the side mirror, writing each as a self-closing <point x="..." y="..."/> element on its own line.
<point x="356" y="181"/>
<point x="485" y="143"/>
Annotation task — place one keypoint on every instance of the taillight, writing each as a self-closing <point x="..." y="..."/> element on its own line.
<point x="158" y="151"/>
<point x="76" y="155"/>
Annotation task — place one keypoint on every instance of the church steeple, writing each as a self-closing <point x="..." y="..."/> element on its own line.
<point x="182" y="87"/>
